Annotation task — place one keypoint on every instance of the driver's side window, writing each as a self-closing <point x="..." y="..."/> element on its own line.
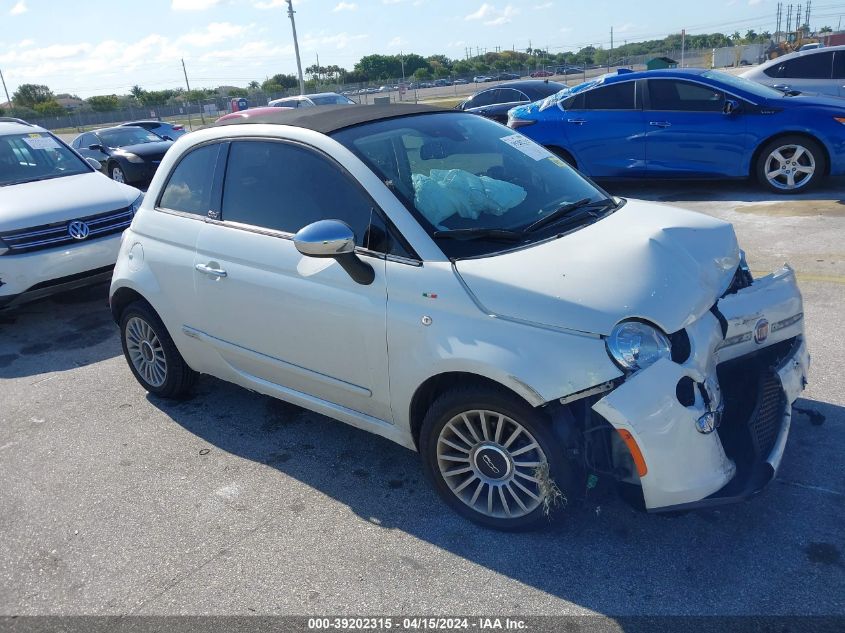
<point x="684" y="96"/>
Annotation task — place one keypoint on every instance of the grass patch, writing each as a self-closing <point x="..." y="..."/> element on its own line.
<point x="549" y="492"/>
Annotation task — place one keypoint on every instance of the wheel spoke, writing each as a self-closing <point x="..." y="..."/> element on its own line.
<point x="453" y="458"/>
<point x="489" y="499"/>
<point x="527" y="464"/>
<point x="778" y="156"/>
<point x="504" y="501"/>
<point x="805" y="169"/>
<point x="466" y="483"/>
<point x="470" y="428"/>
<point x="455" y="446"/>
<point x="500" y="423"/>
<point x="790" y="179"/>
<point x="460" y="435"/>
<point x="513" y="436"/>
<point x="799" y="152"/>
<point x="525" y="449"/>
<point x="773" y="174"/>
<point x="458" y="471"/>
<point x="525" y="490"/>
<point x="519" y="473"/>
<point x="516" y="497"/>
<point x="484" y="430"/>
<point x="477" y="492"/>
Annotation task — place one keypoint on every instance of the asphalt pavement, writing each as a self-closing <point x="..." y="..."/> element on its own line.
<point x="229" y="502"/>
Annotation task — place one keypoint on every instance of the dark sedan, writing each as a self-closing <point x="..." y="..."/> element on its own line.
<point x="128" y="154"/>
<point x="494" y="103"/>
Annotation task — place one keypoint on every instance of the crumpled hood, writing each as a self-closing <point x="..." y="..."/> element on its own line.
<point x="648" y="261"/>
<point x="59" y="199"/>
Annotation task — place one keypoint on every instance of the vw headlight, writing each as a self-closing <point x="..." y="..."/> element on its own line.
<point x="137" y="204"/>
<point x="635" y="345"/>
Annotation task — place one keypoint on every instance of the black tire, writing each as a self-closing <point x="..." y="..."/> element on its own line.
<point x="465" y="399"/>
<point x="813" y="154"/>
<point x="178" y="377"/>
<point x="112" y="168"/>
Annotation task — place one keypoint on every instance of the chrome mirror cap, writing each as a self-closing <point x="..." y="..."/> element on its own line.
<point x="325" y="238"/>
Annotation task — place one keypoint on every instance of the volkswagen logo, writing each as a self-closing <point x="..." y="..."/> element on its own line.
<point x="761" y="331"/>
<point x="78" y="230"/>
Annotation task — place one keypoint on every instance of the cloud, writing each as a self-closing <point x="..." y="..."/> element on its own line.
<point x="193" y="5"/>
<point x="396" y="42"/>
<point x="625" y="28"/>
<point x="214" y="33"/>
<point x="19" y="8"/>
<point x="751" y="3"/>
<point x="270" y="4"/>
<point x="345" y="6"/>
<point x="545" y="5"/>
<point x="491" y="16"/>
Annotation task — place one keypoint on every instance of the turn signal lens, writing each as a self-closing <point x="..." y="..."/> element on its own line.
<point x="636" y="454"/>
<point x="515" y="124"/>
<point x="841" y="119"/>
<point x="3" y="248"/>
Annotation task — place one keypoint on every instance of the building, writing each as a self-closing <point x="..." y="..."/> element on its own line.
<point x="660" y="63"/>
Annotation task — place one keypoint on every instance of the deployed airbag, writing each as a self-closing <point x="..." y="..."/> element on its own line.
<point x="445" y="192"/>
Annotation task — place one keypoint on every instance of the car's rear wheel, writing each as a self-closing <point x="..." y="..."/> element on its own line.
<point x="117" y="174"/>
<point x="791" y="164"/>
<point x="493" y="458"/>
<point x="151" y="353"/>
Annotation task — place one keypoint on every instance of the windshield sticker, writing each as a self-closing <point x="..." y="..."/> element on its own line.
<point x="526" y="146"/>
<point x="557" y="161"/>
<point x="41" y="142"/>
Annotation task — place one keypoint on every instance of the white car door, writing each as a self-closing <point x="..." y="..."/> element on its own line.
<point x="275" y="315"/>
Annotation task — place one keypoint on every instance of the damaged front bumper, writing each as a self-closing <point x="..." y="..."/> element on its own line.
<point x="712" y="429"/>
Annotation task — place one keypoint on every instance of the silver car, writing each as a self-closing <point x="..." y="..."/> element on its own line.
<point x="820" y="70"/>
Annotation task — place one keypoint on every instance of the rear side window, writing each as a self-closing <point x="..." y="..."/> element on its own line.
<point x="189" y="187"/>
<point x="815" y="66"/>
<point x="839" y="65"/>
<point x="617" y="96"/>
<point x="684" y="96"/>
<point x="284" y="187"/>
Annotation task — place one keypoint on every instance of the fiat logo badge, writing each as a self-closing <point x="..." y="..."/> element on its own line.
<point x="78" y="230"/>
<point x="761" y="331"/>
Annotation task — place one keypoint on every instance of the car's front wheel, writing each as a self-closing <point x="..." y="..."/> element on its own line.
<point x="791" y="164"/>
<point x="117" y="174"/>
<point x="151" y="353"/>
<point x="493" y="458"/>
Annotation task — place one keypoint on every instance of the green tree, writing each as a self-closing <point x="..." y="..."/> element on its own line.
<point x="137" y="91"/>
<point x="421" y="74"/>
<point x="103" y="103"/>
<point x="253" y="85"/>
<point x="825" y="29"/>
<point x="49" y="108"/>
<point x="238" y="92"/>
<point x="281" y="82"/>
<point x="30" y="95"/>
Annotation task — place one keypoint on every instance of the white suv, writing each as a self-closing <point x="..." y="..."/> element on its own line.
<point x="60" y="220"/>
<point x="435" y="278"/>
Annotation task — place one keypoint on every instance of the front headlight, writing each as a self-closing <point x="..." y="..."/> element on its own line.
<point x="635" y="345"/>
<point x="137" y="204"/>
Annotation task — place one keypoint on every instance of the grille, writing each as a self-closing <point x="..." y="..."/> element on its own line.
<point x="54" y="235"/>
<point x="765" y="424"/>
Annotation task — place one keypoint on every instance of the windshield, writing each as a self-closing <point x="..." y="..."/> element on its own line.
<point x="37" y="156"/>
<point x="463" y="173"/>
<point x="741" y="83"/>
<point x="121" y="137"/>
<point x="331" y="100"/>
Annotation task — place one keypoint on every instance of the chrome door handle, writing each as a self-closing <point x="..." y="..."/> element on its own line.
<point x="207" y="270"/>
<point x="577" y="121"/>
<point x="660" y="123"/>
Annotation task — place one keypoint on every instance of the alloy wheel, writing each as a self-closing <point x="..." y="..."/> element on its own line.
<point x="789" y="167"/>
<point x="117" y="175"/>
<point x="491" y="463"/>
<point x="146" y="351"/>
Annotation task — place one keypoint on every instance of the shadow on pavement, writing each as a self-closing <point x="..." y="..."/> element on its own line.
<point x="62" y="332"/>
<point x="762" y="557"/>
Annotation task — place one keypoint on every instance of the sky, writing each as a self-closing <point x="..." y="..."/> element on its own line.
<point x="89" y="47"/>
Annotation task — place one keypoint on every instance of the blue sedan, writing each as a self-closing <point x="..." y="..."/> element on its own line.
<point x="690" y="123"/>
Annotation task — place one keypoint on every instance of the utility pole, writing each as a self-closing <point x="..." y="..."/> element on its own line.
<point x="683" y="43"/>
<point x="318" y="66"/>
<point x="610" y="57"/>
<point x="402" y="61"/>
<point x="188" y="99"/>
<point x="296" y="47"/>
<point x="6" y="90"/>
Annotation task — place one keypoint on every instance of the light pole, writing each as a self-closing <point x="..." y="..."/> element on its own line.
<point x="11" y="105"/>
<point x="296" y="47"/>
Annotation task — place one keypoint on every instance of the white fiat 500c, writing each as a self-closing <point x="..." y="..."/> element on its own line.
<point x="435" y="278"/>
<point x="60" y="220"/>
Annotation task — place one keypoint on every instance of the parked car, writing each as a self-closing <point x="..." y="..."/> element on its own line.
<point x="506" y="76"/>
<point x="542" y="73"/>
<point x="424" y="275"/>
<point x="494" y="103"/>
<point x="167" y="131"/>
<point x="128" y="154"/>
<point x="460" y="82"/>
<point x="568" y="70"/>
<point x="690" y="123"/>
<point x="319" y="99"/>
<point x="480" y="79"/>
<point x="817" y="70"/>
<point x="60" y="220"/>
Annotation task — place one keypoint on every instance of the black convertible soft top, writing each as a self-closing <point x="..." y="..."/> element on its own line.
<point x="330" y="118"/>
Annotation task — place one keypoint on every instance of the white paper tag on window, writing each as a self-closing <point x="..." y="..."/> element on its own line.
<point x="527" y="146"/>
<point x="41" y="142"/>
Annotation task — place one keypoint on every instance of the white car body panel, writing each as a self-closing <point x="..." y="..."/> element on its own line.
<point x="834" y="86"/>
<point x="533" y="320"/>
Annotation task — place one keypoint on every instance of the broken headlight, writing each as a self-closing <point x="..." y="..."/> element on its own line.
<point x="635" y="345"/>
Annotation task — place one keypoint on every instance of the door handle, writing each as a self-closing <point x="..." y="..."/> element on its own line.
<point x="660" y="123"/>
<point x="577" y="121"/>
<point x="208" y="270"/>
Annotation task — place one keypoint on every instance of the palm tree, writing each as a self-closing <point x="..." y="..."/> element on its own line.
<point x="253" y="85"/>
<point x="137" y="91"/>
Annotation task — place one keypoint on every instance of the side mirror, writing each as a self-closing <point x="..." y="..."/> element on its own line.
<point x="166" y="138"/>
<point x="96" y="147"/>
<point x="333" y="238"/>
<point x="730" y="106"/>
<point x="94" y="163"/>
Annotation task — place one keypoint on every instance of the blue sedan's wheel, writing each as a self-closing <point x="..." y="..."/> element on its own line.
<point x="117" y="174"/>
<point x="791" y="164"/>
